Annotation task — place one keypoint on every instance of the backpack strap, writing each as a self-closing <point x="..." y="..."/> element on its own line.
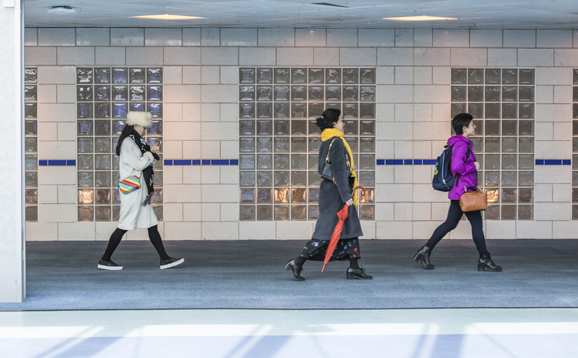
<point x="458" y="176"/>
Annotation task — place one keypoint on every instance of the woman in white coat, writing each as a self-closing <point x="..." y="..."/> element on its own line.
<point x="137" y="158"/>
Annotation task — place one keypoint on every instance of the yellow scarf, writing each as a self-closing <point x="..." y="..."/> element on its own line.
<point x="333" y="132"/>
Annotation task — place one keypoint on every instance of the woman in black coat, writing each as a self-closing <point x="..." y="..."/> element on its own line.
<point x="333" y="195"/>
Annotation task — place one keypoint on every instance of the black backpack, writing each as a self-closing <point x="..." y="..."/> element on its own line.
<point x="443" y="179"/>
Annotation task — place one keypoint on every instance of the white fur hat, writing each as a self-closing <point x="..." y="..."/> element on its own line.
<point x="143" y="119"/>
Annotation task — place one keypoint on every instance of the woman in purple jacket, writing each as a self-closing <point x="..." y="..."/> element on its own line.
<point x="465" y="167"/>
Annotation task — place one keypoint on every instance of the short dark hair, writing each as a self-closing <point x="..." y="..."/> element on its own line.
<point x="328" y="117"/>
<point x="460" y="121"/>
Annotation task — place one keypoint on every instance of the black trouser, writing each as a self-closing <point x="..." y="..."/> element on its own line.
<point x="454" y="215"/>
<point x="154" y="236"/>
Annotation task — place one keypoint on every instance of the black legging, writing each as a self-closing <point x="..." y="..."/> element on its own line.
<point x="117" y="235"/>
<point x="454" y="215"/>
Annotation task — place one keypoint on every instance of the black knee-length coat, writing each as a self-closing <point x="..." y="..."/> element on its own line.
<point x="332" y="196"/>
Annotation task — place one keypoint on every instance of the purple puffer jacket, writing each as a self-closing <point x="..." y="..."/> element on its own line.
<point x="466" y="168"/>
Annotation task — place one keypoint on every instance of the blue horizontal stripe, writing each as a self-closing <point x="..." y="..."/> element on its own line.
<point x="417" y="161"/>
<point x="182" y="162"/>
<point x="219" y="161"/>
<point x="407" y="162"/>
<point x="429" y="162"/>
<point x="394" y="162"/>
<point x="196" y="162"/>
<point x="566" y="162"/>
<point x="234" y="162"/>
<point x="381" y="162"/>
<point x="168" y="162"/>
<point x="553" y="162"/>
<point x="539" y="161"/>
<point x="206" y="161"/>
<point x="43" y="163"/>
<point x="71" y="163"/>
<point x="58" y="163"/>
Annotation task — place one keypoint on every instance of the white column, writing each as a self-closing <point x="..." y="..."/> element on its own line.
<point x="12" y="254"/>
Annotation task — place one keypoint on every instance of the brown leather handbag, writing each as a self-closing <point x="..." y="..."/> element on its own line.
<point x="473" y="201"/>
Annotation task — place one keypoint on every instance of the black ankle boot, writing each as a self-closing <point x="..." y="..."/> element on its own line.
<point x="422" y="255"/>
<point x="357" y="274"/>
<point x="485" y="263"/>
<point x="296" y="270"/>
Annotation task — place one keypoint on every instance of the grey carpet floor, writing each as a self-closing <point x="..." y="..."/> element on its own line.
<point x="250" y="274"/>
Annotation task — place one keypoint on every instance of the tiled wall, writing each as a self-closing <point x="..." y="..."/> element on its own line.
<point x="201" y="121"/>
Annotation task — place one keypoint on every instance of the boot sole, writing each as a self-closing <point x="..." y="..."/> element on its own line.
<point x="358" y="278"/>
<point x="482" y="268"/>
<point x="289" y="268"/>
<point x="172" y="264"/>
<point x="417" y="258"/>
<point x="109" y="268"/>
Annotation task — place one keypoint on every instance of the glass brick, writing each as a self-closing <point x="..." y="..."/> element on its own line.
<point x="264" y="127"/>
<point x="509" y="161"/>
<point x="158" y="212"/>
<point x="102" y="145"/>
<point x="316" y="75"/>
<point x="478" y="143"/>
<point x="525" y="212"/>
<point x="526" y="161"/>
<point x="509" y="127"/>
<point x="368" y="197"/>
<point x="575" y="195"/>
<point x="367" y="110"/>
<point x="119" y="110"/>
<point x="509" y="94"/>
<point x="315" y="110"/>
<point x="85" y="145"/>
<point x="85" y="213"/>
<point x="526" y="195"/>
<point x="84" y="93"/>
<point x="282" y="110"/>
<point x="119" y="93"/>
<point x="316" y="93"/>
<point x="509" y="212"/>
<point x="281" y="195"/>
<point x="492" y="178"/>
<point x="246" y="93"/>
<point x="264" y="93"/>
<point x="101" y="128"/>
<point x="492" y="161"/>
<point x="313" y="161"/>
<point x="298" y="196"/>
<point x="85" y="110"/>
<point x="247" y="178"/>
<point x="333" y="75"/>
<point x="574" y="110"/>
<point x="247" y="212"/>
<point x="527" y="110"/>
<point x="30" y="161"/>
<point x="574" y="94"/>
<point x="247" y="196"/>
<point x="158" y="178"/>
<point x="281" y="75"/>
<point x="30" y="110"/>
<point x="264" y="161"/>
<point x="475" y="76"/>
<point x="264" y="178"/>
<point x="458" y="93"/>
<point x="31" y="213"/>
<point x="350" y="75"/>
<point x="102" y="75"/>
<point x="350" y="110"/>
<point x="526" y="145"/>
<point x="476" y="110"/>
<point x="313" y="128"/>
<point x="84" y="75"/>
<point x="492" y="110"/>
<point x="367" y="75"/>
<point x="246" y="145"/>
<point x="103" y="213"/>
<point x="85" y="162"/>
<point x="299" y="127"/>
<point x="575" y="76"/>
<point x="30" y="75"/>
<point x="509" y="195"/>
<point x="281" y="213"/>
<point x="31" y="196"/>
<point x="31" y="178"/>
<point x="526" y="127"/>
<point x="85" y="196"/>
<point x="509" y="110"/>
<point x="492" y="127"/>
<point x="527" y="77"/>
<point x="246" y="127"/>
<point x="154" y="93"/>
<point x="367" y="93"/>
<point x="247" y="110"/>
<point x="526" y="178"/>
<point x="353" y="144"/>
<point x="264" y="144"/>
<point x="30" y="93"/>
<point x="154" y="75"/>
<point x="298" y="75"/>
<point x="298" y="93"/>
<point x="313" y="212"/>
<point x="281" y="127"/>
<point x="350" y="93"/>
<point x="457" y="108"/>
<point x="137" y="75"/>
<point x="367" y="212"/>
<point x="156" y="128"/>
<point x="493" y="76"/>
<point x="137" y="93"/>
<point x="30" y="127"/>
<point x="510" y="76"/>
<point x="298" y="179"/>
<point x="509" y="144"/>
<point x="366" y="178"/>
<point x="367" y="127"/>
<point x="527" y="94"/>
<point x="117" y="127"/>
<point x="366" y="161"/>
<point x="475" y="93"/>
<point x="102" y="110"/>
<point x="298" y="161"/>
<point x="333" y="93"/>
<point x="281" y="144"/>
<point x="102" y="162"/>
<point x="264" y="110"/>
<point x="264" y="212"/>
<point x="264" y="75"/>
<point x="314" y="144"/>
<point x="119" y="75"/>
<point x="492" y="93"/>
<point x="493" y="212"/>
<point x="246" y="75"/>
<point x="298" y="110"/>
<point x="281" y="179"/>
<point x="509" y="178"/>
<point x="575" y="178"/>
<point x="314" y="178"/>
<point x="367" y="144"/>
<point x="282" y="93"/>
<point x="459" y="76"/>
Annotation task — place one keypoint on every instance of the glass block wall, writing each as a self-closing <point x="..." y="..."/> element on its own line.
<point x="104" y="97"/>
<point x="502" y="103"/>
<point x="575" y="146"/>
<point x="31" y="143"/>
<point x="279" y="141"/>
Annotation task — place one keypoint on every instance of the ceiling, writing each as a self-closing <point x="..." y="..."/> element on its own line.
<point x="478" y="14"/>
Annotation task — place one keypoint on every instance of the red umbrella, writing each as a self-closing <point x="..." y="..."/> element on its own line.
<point x="342" y="215"/>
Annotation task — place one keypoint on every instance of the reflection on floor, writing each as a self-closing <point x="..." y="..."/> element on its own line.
<point x="439" y="333"/>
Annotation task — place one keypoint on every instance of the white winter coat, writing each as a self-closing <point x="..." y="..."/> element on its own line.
<point x="133" y="215"/>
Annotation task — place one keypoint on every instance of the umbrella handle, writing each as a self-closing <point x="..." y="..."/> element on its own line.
<point x="358" y="187"/>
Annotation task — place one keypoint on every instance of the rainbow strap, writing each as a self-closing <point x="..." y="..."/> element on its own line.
<point x="129" y="185"/>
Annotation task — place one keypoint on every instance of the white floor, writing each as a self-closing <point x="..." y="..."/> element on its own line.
<point x="440" y="333"/>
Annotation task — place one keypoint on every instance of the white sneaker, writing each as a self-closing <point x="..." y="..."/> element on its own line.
<point x="171" y="262"/>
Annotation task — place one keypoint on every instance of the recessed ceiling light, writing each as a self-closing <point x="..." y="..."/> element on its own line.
<point x="419" y="18"/>
<point x="62" y="10"/>
<point x="167" y="17"/>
